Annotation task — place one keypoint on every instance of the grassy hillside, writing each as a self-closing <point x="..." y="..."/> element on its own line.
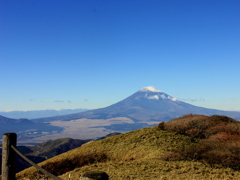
<point x="133" y="155"/>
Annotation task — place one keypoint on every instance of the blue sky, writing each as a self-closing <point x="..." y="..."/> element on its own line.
<point x="93" y="53"/>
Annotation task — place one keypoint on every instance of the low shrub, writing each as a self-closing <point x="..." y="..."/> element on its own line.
<point x="161" y="126"/>
<point x="187" y="122"/>
<point x="225" y="158"/>
<point x="171" y="156"/>
<point x="199" y="126"/>
<point x="218" y="144"/>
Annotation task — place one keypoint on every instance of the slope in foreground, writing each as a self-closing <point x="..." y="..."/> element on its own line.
<point x="133" y="155"/>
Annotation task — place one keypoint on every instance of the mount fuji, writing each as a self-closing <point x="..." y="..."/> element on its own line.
<point x="146" y="107"/>
<point x="147" y="104"/>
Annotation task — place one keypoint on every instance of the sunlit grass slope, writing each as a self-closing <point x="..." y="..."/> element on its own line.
<point x="133" y="155"/>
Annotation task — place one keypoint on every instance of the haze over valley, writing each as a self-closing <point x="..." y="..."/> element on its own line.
<point x="39" y="113"/>
<point x="147" y="107"/>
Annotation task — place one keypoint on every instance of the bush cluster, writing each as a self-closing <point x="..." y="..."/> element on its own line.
<point x="216" y="139"/>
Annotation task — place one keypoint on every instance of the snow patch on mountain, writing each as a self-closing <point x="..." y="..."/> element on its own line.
<point x="149" y="88"/>
<point x="153" y="97"/>
<point x="162" y="96"/>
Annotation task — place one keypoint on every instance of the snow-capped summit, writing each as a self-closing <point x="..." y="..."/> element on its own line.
<point x="152" y="93"/>
<point x="149" y="88"/>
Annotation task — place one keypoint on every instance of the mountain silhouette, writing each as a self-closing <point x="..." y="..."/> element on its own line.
<point x="23" y="127"/>
<point x="147" y="104"/>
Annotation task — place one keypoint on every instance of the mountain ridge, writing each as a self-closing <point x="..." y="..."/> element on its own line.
<point x="33" y="114"/>
<point x="26" y="128"/>
<point x="146" y="104"/>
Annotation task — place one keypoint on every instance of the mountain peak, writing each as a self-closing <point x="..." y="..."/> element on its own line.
<point x="149" y="88"/>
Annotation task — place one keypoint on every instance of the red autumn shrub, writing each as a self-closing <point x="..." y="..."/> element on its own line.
<point x="224" y="158"/>
<point x="223" y="137"/>
<point x="184" y="123"/>
<point x="218" y="144"/>
<point x="194" y="132"/>
<point x="216" y="129"/>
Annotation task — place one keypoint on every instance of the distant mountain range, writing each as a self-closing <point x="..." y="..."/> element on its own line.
<point x="146" y="107"/>
<point x="147" y="104"/>
<point x="26" y="129"/>
<point x="39" y="113"/>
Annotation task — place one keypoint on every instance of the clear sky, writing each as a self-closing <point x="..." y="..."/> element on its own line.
<point x="71" y="54"/>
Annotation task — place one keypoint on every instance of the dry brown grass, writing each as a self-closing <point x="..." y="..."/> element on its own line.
<point x="136" y="156"/>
